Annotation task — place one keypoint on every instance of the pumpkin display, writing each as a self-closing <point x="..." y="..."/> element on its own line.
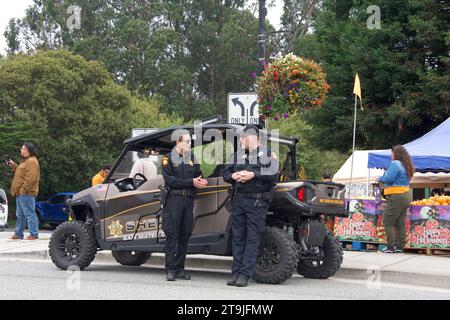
<point x="436" y="200"/>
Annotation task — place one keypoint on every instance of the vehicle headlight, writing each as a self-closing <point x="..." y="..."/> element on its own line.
<point x="2" y="211"/>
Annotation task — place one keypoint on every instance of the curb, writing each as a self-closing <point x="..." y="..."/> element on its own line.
<point x="157" y="259"/>
<point x="222" y="264"/>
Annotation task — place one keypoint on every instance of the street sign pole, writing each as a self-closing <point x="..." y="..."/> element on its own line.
<point x="262" y="35"/>
<point x="353" y="148"/>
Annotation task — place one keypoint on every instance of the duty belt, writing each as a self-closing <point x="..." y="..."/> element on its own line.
<point x="183" y="192"/>
<point x="261" y="195"/>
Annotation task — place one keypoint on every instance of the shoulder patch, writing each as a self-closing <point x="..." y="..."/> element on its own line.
<point x="165" y="161"/>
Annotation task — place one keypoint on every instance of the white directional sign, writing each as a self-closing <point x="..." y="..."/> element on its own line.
<point x="243" y="108"/>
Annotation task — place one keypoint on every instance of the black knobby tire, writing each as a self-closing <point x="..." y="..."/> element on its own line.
<point x="277" y="257"/>
<point x="333" y="255"/>
<point x="72" y="244"/>
<point x="131" y="258"/>
<point x="54" y="225"/>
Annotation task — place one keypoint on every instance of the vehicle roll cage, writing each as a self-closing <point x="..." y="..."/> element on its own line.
<point x="161" y="141"/>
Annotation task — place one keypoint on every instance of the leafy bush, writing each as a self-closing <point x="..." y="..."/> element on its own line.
<point x="73" y="111"/>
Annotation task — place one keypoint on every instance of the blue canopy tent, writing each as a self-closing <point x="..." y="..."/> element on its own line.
<point x="429" y="153"/>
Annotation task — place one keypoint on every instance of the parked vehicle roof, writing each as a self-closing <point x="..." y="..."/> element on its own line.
<point x="163" y="136"/>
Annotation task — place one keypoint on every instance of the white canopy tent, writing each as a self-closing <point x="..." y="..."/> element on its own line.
<point x="361" y="174"/>
<point x="365" y="176"/>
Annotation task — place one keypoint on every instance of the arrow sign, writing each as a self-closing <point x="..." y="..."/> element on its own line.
<point x="252" y="108"/>
<point x="243" y="108"/>
<point x="237" y="102"/>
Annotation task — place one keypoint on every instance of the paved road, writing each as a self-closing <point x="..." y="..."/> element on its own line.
<point x="39" y="279"/>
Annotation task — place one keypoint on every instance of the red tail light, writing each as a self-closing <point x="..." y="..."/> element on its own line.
<point x="301" y="194"/>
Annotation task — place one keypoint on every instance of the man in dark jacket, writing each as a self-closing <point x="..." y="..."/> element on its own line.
<point x="253" y="174"/>
<point x="183" y="176"/>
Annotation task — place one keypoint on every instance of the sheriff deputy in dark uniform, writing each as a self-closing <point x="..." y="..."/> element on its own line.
<point x="182" y="176"/>
<point x="253" y="174"/>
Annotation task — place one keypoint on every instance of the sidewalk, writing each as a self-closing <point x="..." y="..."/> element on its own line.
<point x="355" y="262"/>
<point x="23" y="247"/>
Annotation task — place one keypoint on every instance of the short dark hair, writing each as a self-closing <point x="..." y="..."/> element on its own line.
<point x="327" y="175"/>
<point x="105" y="167"/>
<point x="31" y="148"/>
<point x="251" y="129"/>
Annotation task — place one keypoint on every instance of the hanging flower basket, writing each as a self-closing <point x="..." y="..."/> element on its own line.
<point x="290" y="84"/>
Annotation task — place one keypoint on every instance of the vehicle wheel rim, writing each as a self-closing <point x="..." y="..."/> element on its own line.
<point x="69" y="247"/>
<point x="268" y="257"/>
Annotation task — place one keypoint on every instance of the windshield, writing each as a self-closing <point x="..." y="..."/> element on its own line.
<point x="212" y="149"/>
<point x="134" y="162"/>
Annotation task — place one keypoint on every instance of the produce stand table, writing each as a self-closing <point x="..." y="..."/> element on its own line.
<point x="430" y="226"/>
<point x="427" y="226"/>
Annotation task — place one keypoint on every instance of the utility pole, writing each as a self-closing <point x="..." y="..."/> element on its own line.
<point x="262" y="35"/>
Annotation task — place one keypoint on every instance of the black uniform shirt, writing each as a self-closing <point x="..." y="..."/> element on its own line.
<point x="262" y="162"/>
<point x="179" y="174"/>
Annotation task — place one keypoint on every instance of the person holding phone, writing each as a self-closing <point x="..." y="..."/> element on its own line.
<point x="25" y="187"/>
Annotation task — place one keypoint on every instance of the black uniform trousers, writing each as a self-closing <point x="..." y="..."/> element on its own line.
<point x="177" y="226"/>
<point x="248" y="224"/>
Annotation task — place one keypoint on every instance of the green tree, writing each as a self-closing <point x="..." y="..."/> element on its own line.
<point x="297" y="19"/>
<point x="404" y="69"/>
<point x="74" y="112"/>
<point x="188" y="53"/>
<point x="310" y="157"/>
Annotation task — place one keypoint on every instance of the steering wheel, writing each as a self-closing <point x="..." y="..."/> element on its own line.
<point x="139" y="182"/>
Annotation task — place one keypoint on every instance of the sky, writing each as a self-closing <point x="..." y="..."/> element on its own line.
<point x="16" y="9"/>
<point x="10" y="9"/>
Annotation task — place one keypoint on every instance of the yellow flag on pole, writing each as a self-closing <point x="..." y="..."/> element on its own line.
<point x="357" y="89"/>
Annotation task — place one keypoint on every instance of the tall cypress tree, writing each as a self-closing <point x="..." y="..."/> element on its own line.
<point x="404" y="69"/>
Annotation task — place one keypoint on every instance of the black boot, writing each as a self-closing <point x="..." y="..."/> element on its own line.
<point x="170" y="276"/>
<point x="242" y="281"/>
<point x="233" y="280"/>
<point x="183" y="275"/>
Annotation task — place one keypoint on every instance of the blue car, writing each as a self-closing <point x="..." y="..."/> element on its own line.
<point x="52" y="210"/>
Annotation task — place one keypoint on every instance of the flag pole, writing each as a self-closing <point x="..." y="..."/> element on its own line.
<point x="353" y="148"/>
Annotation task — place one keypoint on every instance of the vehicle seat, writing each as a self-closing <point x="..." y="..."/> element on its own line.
<point x="153" y="184"/>
<point x="146" y="167"/>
